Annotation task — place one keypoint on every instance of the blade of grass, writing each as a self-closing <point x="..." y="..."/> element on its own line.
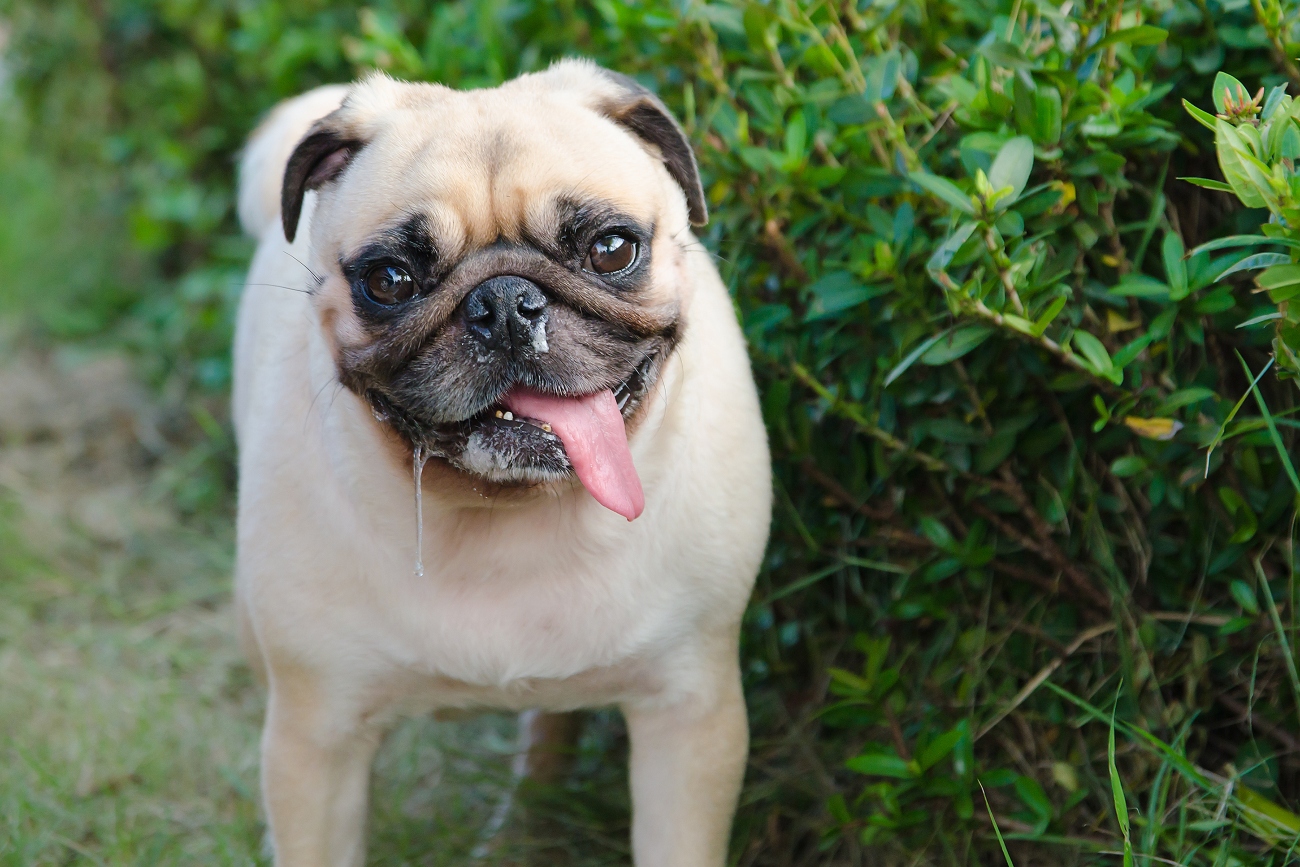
<point x="1177" y="759"/>
<point x="1218" y="437"/>
<point x="1272" y="426"/>
<point x="1247" y="802"/>
<point x="996" y="830"/>
<point x="1282" y="639"/>
<point x="1117" y="789"/>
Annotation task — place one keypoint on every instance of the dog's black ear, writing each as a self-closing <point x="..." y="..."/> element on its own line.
<point x="319" y="158"/>
<point x="641" y="112"/>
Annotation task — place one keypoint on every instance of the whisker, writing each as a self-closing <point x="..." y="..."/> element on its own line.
<point x="335" y="395"/>
<point x="278" y="286"/>
<point x="700" y="248"/>
<point x="318" y="278"/>
<point x="312" y="405"/>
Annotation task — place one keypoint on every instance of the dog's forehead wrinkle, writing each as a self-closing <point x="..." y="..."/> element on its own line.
<point x="490" y="154"/>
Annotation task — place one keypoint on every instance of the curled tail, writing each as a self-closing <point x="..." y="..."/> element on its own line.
<point x="261" y="168"/>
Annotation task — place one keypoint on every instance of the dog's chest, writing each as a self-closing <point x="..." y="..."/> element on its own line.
<point x="511" y="603"/>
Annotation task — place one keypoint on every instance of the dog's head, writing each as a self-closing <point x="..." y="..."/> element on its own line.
<point x="503" y="270"/>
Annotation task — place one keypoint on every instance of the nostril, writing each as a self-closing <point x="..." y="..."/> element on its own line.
<point x="531" y="305"/>
<point x="476" y="309"/>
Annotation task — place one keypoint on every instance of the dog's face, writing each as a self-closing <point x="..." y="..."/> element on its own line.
<point x="491" y="258"/>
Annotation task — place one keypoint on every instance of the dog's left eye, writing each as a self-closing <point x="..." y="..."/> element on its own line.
<point x="389" y="285"/>
<point x="609" y="254"/>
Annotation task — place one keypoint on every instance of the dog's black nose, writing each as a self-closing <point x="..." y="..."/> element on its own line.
<point x="507" y="313"/>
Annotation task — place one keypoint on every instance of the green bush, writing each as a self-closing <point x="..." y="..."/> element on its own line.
<point x="1034" y="490"/>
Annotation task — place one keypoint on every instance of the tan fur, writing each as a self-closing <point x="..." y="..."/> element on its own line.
<point x="533" y="598"/>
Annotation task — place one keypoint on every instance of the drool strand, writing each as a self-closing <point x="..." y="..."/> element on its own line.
<point x="419" y="459"/>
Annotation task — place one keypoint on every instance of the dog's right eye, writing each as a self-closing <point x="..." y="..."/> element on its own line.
<point x="389" y="285"/>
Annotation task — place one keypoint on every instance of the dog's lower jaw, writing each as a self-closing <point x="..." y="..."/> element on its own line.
<point x="498" y="466"/>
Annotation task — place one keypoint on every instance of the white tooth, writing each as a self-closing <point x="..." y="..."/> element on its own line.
<point x="509" y="416"/>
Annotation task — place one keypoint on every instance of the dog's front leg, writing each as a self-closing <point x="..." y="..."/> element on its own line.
<point x="316" y="757"/>
<point x="687" y="765"/>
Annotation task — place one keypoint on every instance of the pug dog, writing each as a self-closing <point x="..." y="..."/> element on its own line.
<point x="499" y="442"/>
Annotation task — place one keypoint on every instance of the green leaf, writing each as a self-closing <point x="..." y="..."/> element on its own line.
<point x="1218" y="301"/>
<point x="1206" y="119"/>
<point x="882" y="76"/>
<point x="1035" y="798"/>
<point x="950" y="430"/>
<point x="851" y="110"/>
<point x="1132" y="350"/>
<point x="944" y="252"/>
<point x="836" y="292"/>
<point x="914" y="355"/>
<point x="881" y="765"/>
<point x="938" y="748"/>
<point x="839" y="810"/>
<point x="1243" y="241"/>
<point x="1092" y="349"/>
<point x="796" y="137"/>
<point x="1175" y="268"/>
<point x="1279" y="277"/>
<point x="1232" y="150"/>
<point x="1141" y="286"/>
<point x="957" y="343"/>
<point x="1272" y="101"/>
<point x="991" y="455"/>
<point x="1258" y="320"/>
<point x="757" y="19"/>
<point x="1243" y="517"/>
<point x="1184" y="397"/>
<point x="1225" y="84"/>
<point x="1289" y="148"/>
<point x="944" y="189"/>
<point x="1011" y="168"/>
<point x="1022" y="98"/>
<point x="1208" y="184"/>
<point x="1047" y="115"/>
<point x="1143" y="34"/>
<point x="1129" y="465"/>
<point x="934" y="530"/>
<point x="1258" y="260"/>
<point x="1244" y="595"/>
<point x="1235" y="625"/>
<point x="1049" y="315"/>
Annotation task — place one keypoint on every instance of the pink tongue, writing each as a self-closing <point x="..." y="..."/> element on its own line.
<point x="591" y="429"/>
